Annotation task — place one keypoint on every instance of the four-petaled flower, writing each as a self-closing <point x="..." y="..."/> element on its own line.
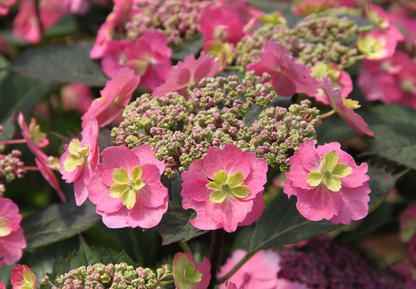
<point x="23" y="278"/>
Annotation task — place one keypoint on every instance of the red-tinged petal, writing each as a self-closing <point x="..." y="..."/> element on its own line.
<point x="48" y="174"/>
<point x="257" y="177"/>
<point x="153" y="193"/>
<point x="202" y="221"/>
<point x="256" y="211"/>
<point x="22" y="277"/>
<point x="11" y="247"/>
<point x="97" y="193"/>
<point x="147" y="218"/>
<point x="146" y="155"/>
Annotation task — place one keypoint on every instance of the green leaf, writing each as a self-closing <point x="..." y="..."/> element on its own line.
<point x="3" y="67"/>
<point x="19" y="93"/>
<point x="333" y="129"/>
<point x="394" y="128"/>
<point x="84" y="257"/>
<point x="176" y="224"/>
<point x="192" y="46"/>
<point x="62" y="63"/>
<point x="281" y="223"/>
<point x="8" y="128"/>
<point x="65" y="26"/>
<point x="58" y="222"/>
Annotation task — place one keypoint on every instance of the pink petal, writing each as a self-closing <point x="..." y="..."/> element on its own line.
<point x="48" y="174"/>
<point x="11" y="247"/>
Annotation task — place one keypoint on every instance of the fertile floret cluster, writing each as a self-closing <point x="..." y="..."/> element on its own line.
<point x="119" y="276"/>
<point x="321" y="264"/>
<point x="218" y="112"/>
<point x="11" y="166"/>
<point x="316" y="38"/>
<point x="179" y="19"/>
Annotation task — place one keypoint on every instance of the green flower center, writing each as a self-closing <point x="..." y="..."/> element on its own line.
<point x="191" y="274"/>
<point x="330" y="174"/>
<point x="78" y="155"/>
<point x="224" y="186"/>
<point x="5" y="228"/>
<point x="126" y="188"/>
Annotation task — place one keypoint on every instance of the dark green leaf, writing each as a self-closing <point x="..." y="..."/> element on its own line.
<point x="62" y="63"/>
<point x="84" y="257"/>
<point x="19" y="93"/>
<point x="58" y="222"/>
<point x="3" y="64"/>
<point x="394" y="128"/>
<point x="192" y="46"/>
<point x="252" y="115"/>
<point x="8" y="128"/>
<point x="176" y="226"/>
<point x="65" y="26"/>
<point x="281" y="222"/>
<point x="284" y="7"/>
<point x="333" y="129"/>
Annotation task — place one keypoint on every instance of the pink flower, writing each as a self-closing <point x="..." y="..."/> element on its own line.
<point x="344" y="108"/>
<point x="246" y="12"/>
<point x="126" y="188"/>
<point x="225" y="188"/>
<point x="5" y="5"/>
<point x="408" y="223"/>
<point x="114" y="98"/>
<point x="287" y="75"/>
<point x="2" y="286"/>
<point x="76" y="97"/>
<point x="188" y="274"/>
<point x="45" y="164"/>
<point x="12" y="240"/>
<point x="186" y="72"/>
<point x="23" y="278"/>
<point x="106" y="32"/>
<point x="376" y="45"/>
<point x="230" y="285"/>
<point x="80" y="159"/>
<point x="149" y="57"/>
<point x="328" y="183"/>
<point x="222" y="23"/>
<point x="377" y="16"/>
<point x="307" y="7"/>
<point x="340" y="79"/>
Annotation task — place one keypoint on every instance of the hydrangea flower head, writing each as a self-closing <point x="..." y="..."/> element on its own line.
<point x="287" y="75"/>
<point x="23" y="278"/>
<point x="80" y="159"/>
<point x="340" y="79"/>
<point x="344" y="108"/>
<point x="188" y="274"/>
<point x="12" y="240"/>
<point x="191" y="70"/>
<point x="376" y="45"/>
<point x="225" y="188"/>
<point x="114" y="97"/>
<point x="126" y="188"/>
<point x="328" y="184"/>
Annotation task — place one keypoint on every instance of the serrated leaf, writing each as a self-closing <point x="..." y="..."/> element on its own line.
<point x="333" y="129"/>
<point x="192" y="46"/>
<point x="281" y="223"/>
<point x="394" y="128"/>
<point x="176" y="224"/>
<point x="61" y="63"/>
<point x="8" y="128"/>
<point x="84" y="257"/>
<point x="58" y="222"/>
<point x="19" y="93"/>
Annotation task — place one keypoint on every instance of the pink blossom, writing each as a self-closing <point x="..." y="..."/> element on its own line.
<point x="222" y="23"/>
<point x="246" y="12"/>
<point x="149" y="57"/>
<point x="307" y="7"/>
<point x="287" y="75"/>
<point x="126" y="188"/>
<point x="45" y="164"/>
<point x="408" y="223"/>
<point x="225" y="189"/>
<point x="23" y="278"/>
<point x="115" y="96"/>
<point x="328" y="183"/>
<point x="376" y="45"/>
<point x="401" y="16"/>
<point x="230" y="285"/>
<point x="382" y="21"/>
<point x="343" y="108"/>
<point x="340" y="79"/>
<point x="2" y="286"/>
<point x="188" y="274"/>
<point x="77" y="97"/>
<point x="12" y="240"/>
<point x="5" y="5"/>
<point x="186" y="72"/>
<point x="106" y="32"/>
<point x="80" y="159"/>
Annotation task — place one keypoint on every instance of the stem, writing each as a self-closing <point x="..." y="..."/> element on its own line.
<point x="136" y="249"/>
<point x="365" y="28"/>
<point x="215" y="254"/>
<point x="166" y="282"/>
<point x="13" y="141"/>
<point x="31" y="168"/>
<point x="37" y="8"/>
<point x="325" y="115"/>
<point x="184" y="246"/>
<point x="236" y="267"/>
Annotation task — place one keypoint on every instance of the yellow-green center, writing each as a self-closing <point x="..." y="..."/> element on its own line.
<point x="224" y="185"/>
<point x="192" y="275"/>
<point x="5" y="227"/>
<point x="330" y="174"/>
<point x="125" y="188"/>
<point x="374" y="48"/>
<point x="78" y="155"/>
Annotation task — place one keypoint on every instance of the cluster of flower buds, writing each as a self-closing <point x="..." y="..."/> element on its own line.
<point x="322" y="264"/>
<point x="316" y="38"/>
<point x="119" y="276"/>
<point x="179" y="19"/>
<point x="11" y="166"/>
<point x="182" y="130"/>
